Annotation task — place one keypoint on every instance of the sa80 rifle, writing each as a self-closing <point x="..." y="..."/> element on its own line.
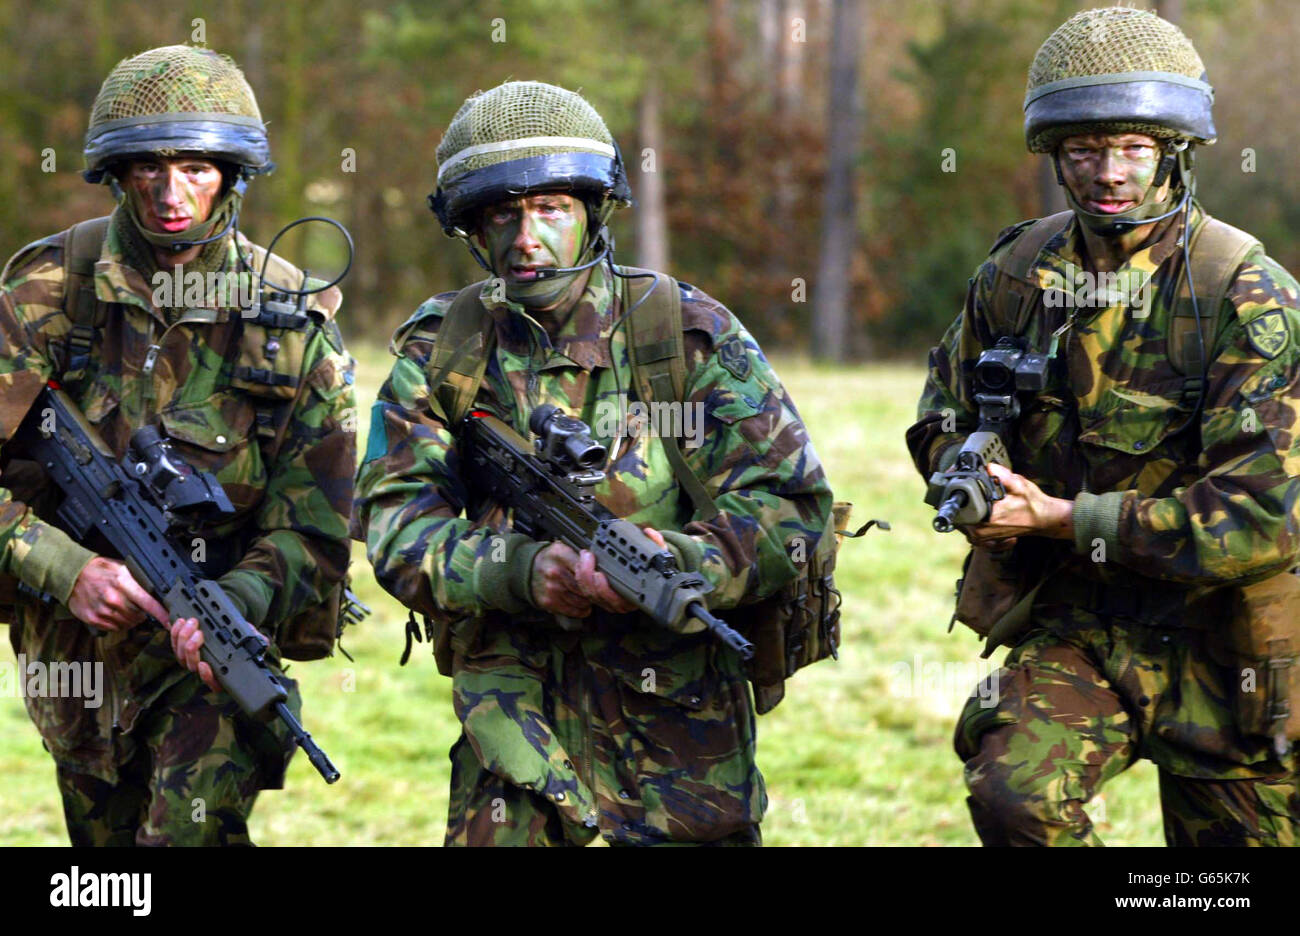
<point x="139" y="505"/>
<point x="549" y="486"/>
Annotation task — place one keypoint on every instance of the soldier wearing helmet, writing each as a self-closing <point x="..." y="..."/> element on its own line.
<point x="580" y="718"/>
<point x="168" y="758"/>
<point x="1139" y="563"/>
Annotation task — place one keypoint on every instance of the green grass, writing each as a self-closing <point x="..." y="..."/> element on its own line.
<point x="850" y="757"/>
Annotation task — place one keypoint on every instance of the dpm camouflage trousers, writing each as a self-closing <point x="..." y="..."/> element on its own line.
<point x="1080" y="699"/>
<point x="195" y="766"/>
<point x="561" y="744"/>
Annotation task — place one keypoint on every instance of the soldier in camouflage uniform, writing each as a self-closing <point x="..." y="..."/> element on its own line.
<point x="167" y="760"/>
<point x="579" y="718"/>
<point x="1154" y="479"/>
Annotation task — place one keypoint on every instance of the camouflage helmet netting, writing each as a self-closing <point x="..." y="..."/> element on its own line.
<point x="520" y="110"/>
<point x="176" y="99"/>
<point x="1111" y="41"/>
<point x="174" y="80"/>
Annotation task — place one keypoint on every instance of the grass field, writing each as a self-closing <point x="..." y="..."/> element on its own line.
<point x="858" y="753"/>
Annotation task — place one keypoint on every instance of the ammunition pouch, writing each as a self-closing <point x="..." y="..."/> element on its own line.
<point x="799" y="624"/>
<point x="994" y="583"/>
<point x="990" y="586"/>
<point x="1263" y="639"/>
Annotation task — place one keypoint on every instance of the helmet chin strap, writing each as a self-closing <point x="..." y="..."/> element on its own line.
<point x="1149" y="210"/>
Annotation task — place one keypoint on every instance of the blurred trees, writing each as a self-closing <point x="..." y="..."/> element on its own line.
<point x="720" y="107"/>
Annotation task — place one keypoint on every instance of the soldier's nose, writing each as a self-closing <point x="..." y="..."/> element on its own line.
<point x="169" y="196"/>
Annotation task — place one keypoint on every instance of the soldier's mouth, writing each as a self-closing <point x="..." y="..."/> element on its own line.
<point x="172" y="225"/>
<point x="1110" y="206"/>
<point x="525" y="274"/>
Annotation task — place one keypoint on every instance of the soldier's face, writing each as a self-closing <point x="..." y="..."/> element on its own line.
<point x="524" y="235"/>
<point x="171" y="193"/>
<point x="1110" y="173"/>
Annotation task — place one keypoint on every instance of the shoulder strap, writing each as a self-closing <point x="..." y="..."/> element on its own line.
<point x="460" y="355"/>
<point x="1024" y="252"/>
<point x="84" y="244"/>
<point x="80" y="253"/>
<point x="657" y="355"/>
<point x="1217" y="251"/>
<point x="1016" y="294"/>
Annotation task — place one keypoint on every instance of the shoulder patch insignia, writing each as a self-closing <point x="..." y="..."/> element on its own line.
<point x="1268" y="333"/>
<point x="733" y="355"/>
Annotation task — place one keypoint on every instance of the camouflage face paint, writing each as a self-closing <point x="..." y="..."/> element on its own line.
<point x="170" y="194"/>
<point x="532" y="233"/>
<point x="1109" y="173"/>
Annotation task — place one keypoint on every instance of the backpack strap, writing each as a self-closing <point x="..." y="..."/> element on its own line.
<point x="460" y="355"/>
<point x="657" y="355"/>
<point x="1217" y="251"/>
<point x="84" y="244"/>
<point x="1015" y="296"/>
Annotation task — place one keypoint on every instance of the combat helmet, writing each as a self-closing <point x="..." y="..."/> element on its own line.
<point x="172" y="100"/>
<point x="523" y="138"/>
<point x="1121" y="70"/>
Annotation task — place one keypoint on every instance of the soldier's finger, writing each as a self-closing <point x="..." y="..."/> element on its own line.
<point x="584" y="574"/>
<point x="193" y="645"/>
<point x="563" y="555"/>
<point x="656" y="536"/>
<point x="607" y="598"/>
<point x="573" y="608"/>
<point x="136" y="594"/>
<point x="563" y="602"/>
<point x="205" y="674"/>
<point x="102" y="617"/>
<point x="177" y="636"/>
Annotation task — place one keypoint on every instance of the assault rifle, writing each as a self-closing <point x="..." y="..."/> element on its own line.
<point x="138" y="506"/>
<point x="549" y="485"/>
<point x="965" y="494"/>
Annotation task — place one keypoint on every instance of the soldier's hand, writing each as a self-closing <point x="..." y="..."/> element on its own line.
<point x="554" y="585"/>
<point x="187" y="640"/>
<point x="105" y="595"/>
<point x="1025" y="511"/>
<point x="596" y="587"/>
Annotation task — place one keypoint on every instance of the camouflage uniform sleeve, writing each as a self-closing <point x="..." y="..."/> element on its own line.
<point x="300" y="550"/>
<point x="38" y="554"/>
<point x="946" y="414"/>
<point x="756" y="461"/>
<point x="410" y="497"/>
<point x="1241" y="518"/>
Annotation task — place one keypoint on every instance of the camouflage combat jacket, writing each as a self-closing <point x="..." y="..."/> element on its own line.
<point x="284" y="453"/>
<point x="756" y="460"/>
<point x="1171" y="508"/>
<point x="1202" y="504"/>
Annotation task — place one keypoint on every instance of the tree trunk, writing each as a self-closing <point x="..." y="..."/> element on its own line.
<point x="790" y="87"/>
<point x="652" y="211"/>
<point x="830" y="316"/>
<point x="770" y="33"/>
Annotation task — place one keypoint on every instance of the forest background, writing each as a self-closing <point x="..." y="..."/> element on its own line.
<point x="833" y="170"/>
